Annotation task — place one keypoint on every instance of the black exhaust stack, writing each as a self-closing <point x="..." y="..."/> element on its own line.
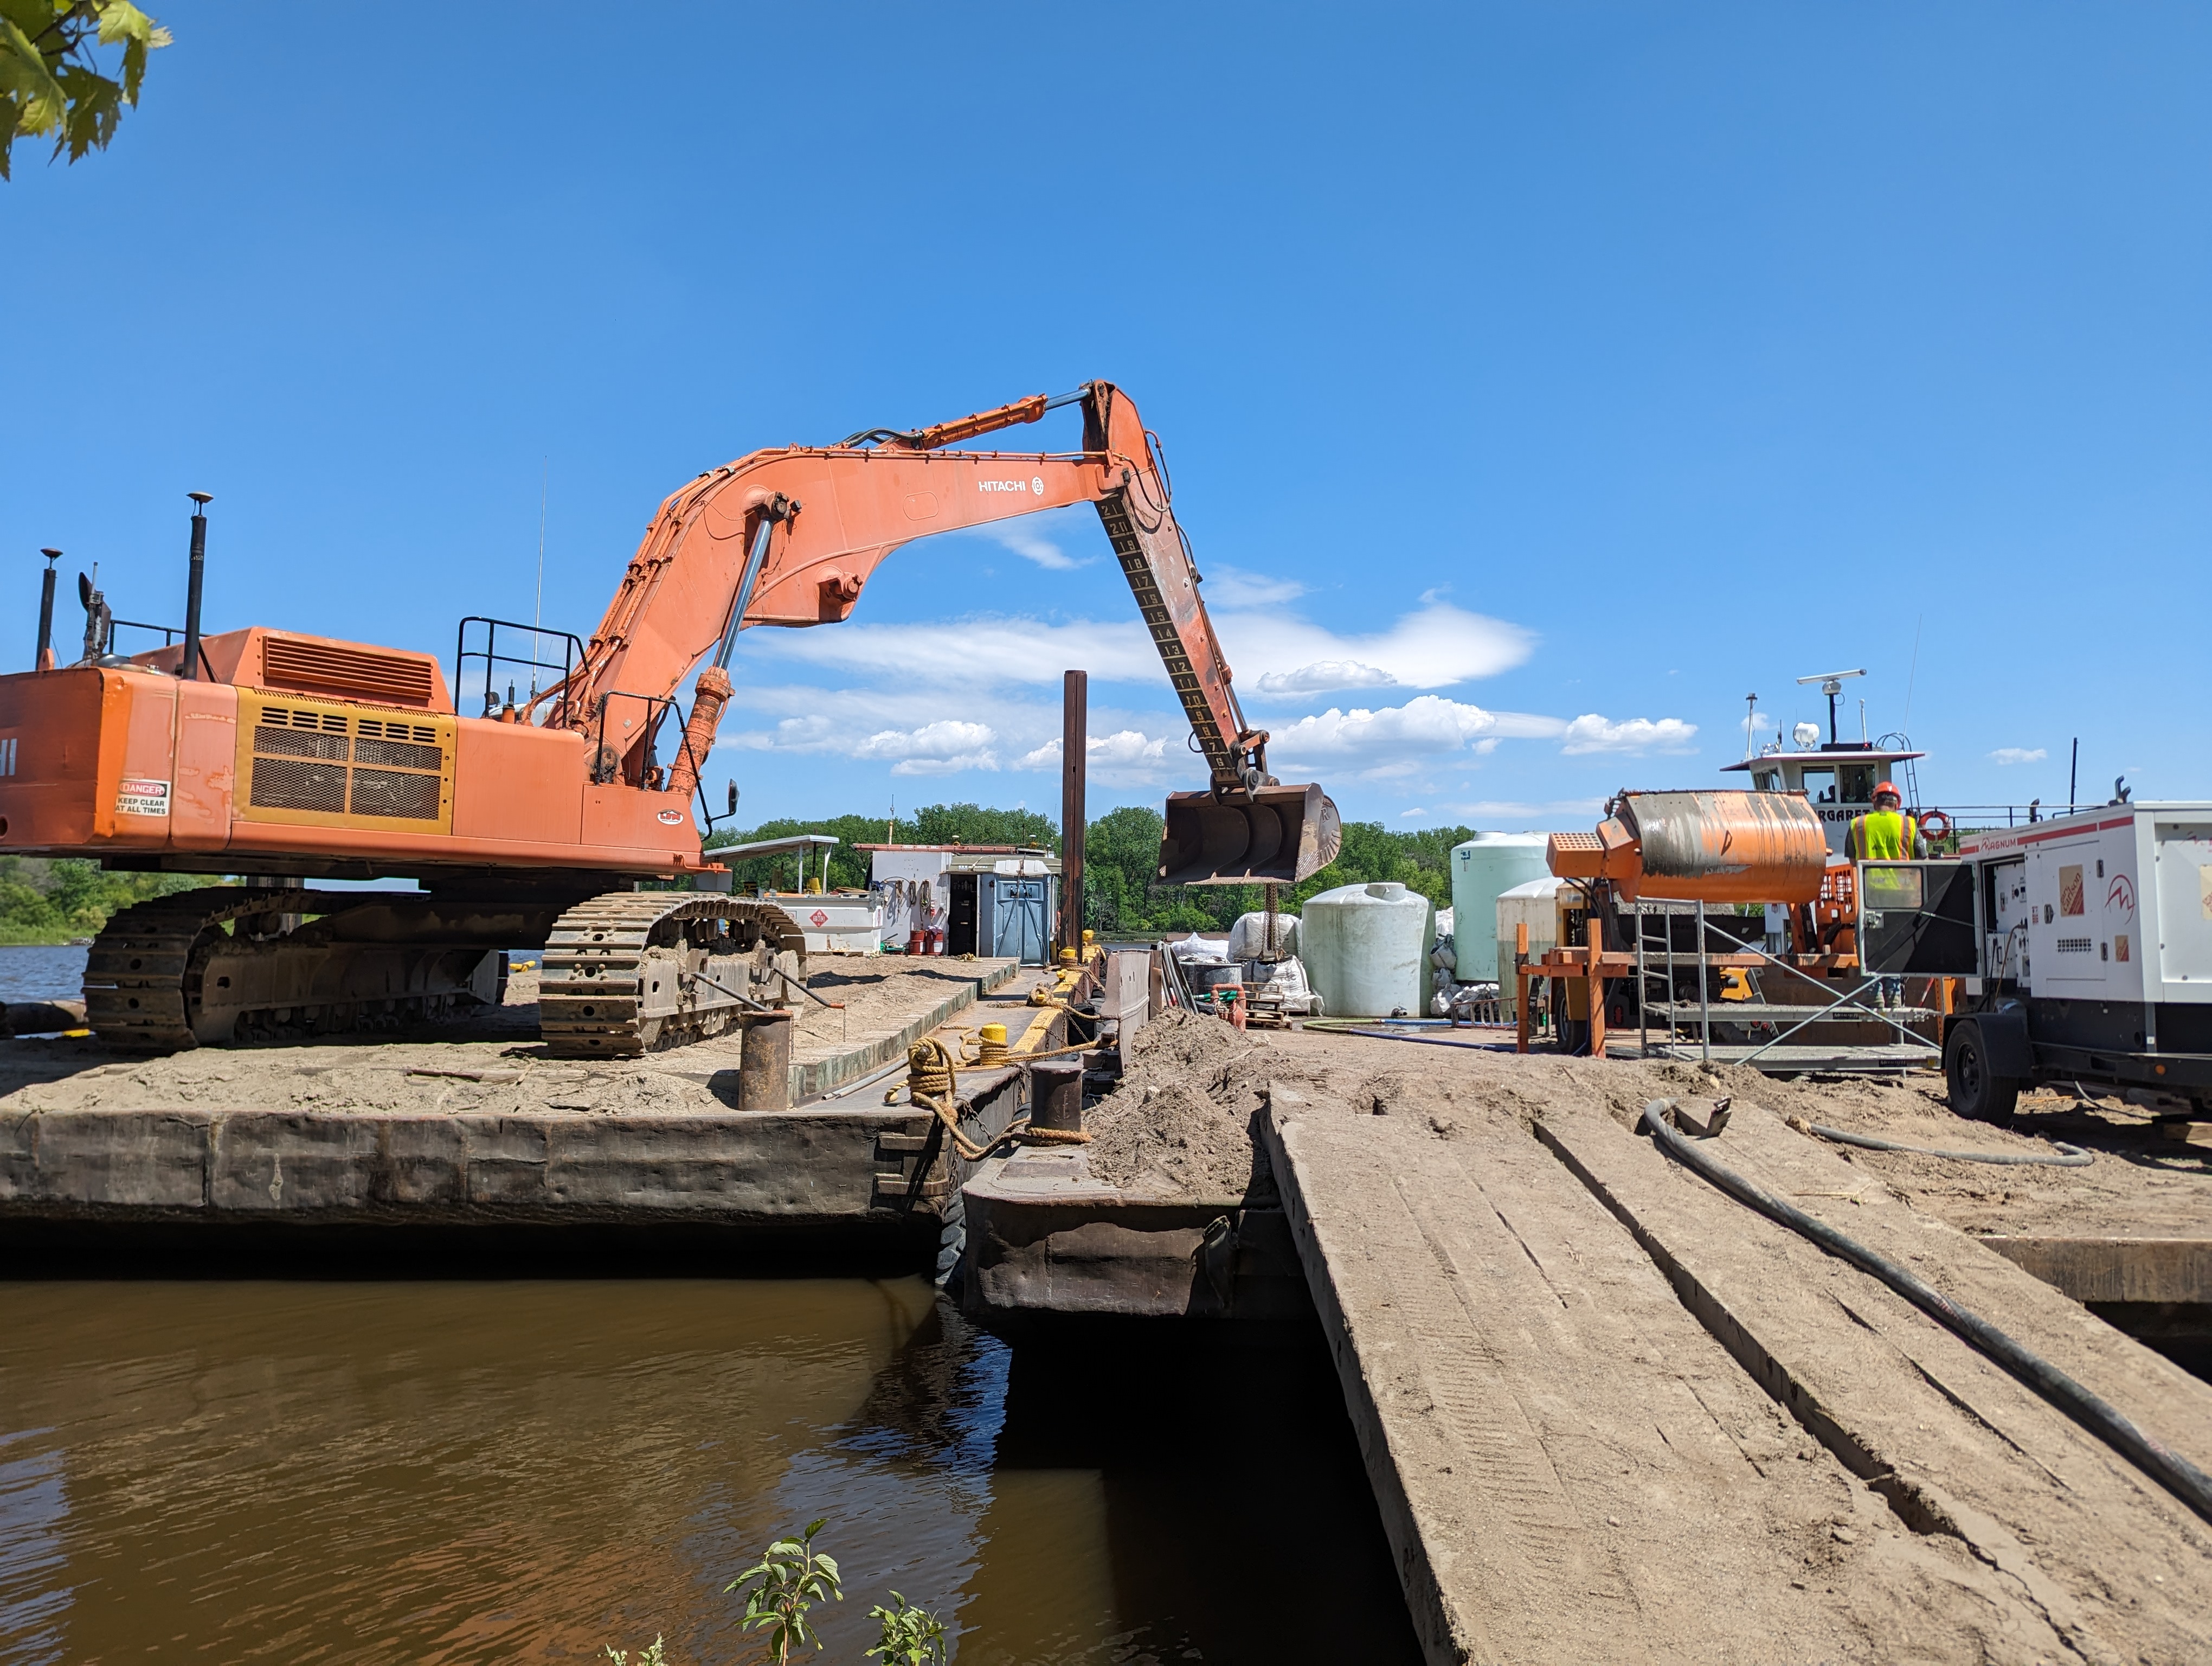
<point x="190" y="669"/>
<point x="44" y="661"/>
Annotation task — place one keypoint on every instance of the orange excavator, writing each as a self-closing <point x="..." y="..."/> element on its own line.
<point x="285" y="758"/>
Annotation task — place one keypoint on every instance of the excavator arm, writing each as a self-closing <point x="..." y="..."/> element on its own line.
<point x="789" y="536"/>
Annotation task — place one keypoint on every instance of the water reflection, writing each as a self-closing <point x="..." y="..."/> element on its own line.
<point x="521" y="1471"/>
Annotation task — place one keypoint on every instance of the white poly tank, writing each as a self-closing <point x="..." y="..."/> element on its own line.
<point x="1483" y="868"/>
<point x="1366" y="950"/>
<point x="1535" y="905"/>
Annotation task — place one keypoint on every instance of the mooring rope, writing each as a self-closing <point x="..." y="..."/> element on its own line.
<point x="932" y="1076"/>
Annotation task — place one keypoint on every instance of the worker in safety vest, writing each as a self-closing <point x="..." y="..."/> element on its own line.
<point x="1885" y="833"/>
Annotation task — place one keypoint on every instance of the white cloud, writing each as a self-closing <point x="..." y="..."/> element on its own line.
<point x="1031" y="545"/>
<point x="1232" y="587"/>
<point x="1408" y="815"/>
<point x="2018" y="755"/>
<point x="1592" y="733"/>
<point x="1323" y="676"/>
<point x="1435" y="648"/>
<point x="1393" y="739"/>
<point x="943" y="747"/>
<point x="1124" y="749"/>
<point x="1275" y="654"/>
<point x="1428" y="723"/>
<point x="982" y="650"/>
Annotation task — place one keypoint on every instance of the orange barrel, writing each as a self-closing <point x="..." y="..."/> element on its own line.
<point x="1722" y="846"/>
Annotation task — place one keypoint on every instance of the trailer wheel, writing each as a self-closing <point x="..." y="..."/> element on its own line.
<point x="1977" y="1092"/>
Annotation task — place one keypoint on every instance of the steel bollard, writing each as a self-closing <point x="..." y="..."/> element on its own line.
<point x="764" y="1062"/>
<point x="1056" y="1096"/>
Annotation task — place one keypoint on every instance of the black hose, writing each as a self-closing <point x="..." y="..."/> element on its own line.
<point x="1425" y="1041"/>
<point x="2069" y="1156"/>
<point x="2169" y="1468"/>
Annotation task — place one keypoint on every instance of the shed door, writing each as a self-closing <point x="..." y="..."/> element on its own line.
<point x="960" y="928"/>
<point x="1018" y="920"/>
<point x="1917" y="920"/>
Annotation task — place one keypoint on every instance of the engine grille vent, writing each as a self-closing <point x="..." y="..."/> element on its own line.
<point x="298" y="761"/>
<point x="284" y="783"/>
<point x="397" y="754"/>
<point x="284" y="743"/>
<point x="391" y="793"/>
<point x="289" y="662"/>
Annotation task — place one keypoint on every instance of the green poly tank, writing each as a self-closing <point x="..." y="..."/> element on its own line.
<point x="1486" y="865"/>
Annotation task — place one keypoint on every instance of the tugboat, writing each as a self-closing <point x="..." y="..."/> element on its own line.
<point x="1837" y="777"/>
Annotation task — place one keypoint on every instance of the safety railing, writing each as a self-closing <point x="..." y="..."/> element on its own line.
<point x="535" y="659"/>
<point x="171" y="635"/>
<point x="606" y="757"/>
<point x="1854" y="1000"/>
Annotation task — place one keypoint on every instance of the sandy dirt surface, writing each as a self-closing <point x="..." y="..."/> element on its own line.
<point x="487" y="1062"/>
<point x="1181" y="1122"/>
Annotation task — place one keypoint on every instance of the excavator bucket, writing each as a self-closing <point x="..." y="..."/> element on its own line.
<point x="1281" y="836"/>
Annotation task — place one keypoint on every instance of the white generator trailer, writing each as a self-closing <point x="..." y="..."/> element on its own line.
<point x="2086" y="946"/>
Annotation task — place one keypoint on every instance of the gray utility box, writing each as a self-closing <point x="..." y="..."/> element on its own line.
<point x="2085" y="942"/>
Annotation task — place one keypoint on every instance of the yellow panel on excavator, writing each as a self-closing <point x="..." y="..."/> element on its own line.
<point x="327" y="763"/>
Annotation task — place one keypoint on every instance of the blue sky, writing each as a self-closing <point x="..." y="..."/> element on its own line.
<point x="1537" y="382"/>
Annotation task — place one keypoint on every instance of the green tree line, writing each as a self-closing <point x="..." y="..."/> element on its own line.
<point x="51" y="901"/>
<point x="1121" y="853"/>
<point x="44" y="901"/>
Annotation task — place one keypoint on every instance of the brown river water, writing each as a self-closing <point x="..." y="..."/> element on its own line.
<point x="449" y="1471"/>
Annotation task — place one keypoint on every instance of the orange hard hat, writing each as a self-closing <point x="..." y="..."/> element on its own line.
<point x="1889" y="788"/>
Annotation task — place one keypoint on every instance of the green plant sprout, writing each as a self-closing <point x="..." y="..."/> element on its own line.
<point x="651" y="1656"/>
<point x="912" y="1636"/>
<point x="790" y="1578"/>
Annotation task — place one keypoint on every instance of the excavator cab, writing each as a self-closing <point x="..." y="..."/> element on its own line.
<point x="1274" y="834"/>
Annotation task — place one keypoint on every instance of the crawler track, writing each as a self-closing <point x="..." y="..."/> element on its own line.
<point x="634" y="972"/>
<point x="140" y="976"/>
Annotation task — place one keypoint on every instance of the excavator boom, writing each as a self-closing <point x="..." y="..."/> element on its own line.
<point x="789" y="536"/>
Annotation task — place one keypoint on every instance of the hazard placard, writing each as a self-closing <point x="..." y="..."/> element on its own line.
<point x="142" y="797"/>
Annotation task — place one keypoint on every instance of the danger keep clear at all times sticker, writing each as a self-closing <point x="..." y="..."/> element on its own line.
<point x="142" y="797"/>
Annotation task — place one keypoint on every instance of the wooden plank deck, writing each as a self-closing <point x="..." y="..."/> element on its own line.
<point x="2085" y="1556"/>
<point x="1774" y="1459"/>
<point x="1570" y="1469"/>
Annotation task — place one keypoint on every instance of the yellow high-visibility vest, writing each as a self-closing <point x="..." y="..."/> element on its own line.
<point x="1885" y="835"/>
